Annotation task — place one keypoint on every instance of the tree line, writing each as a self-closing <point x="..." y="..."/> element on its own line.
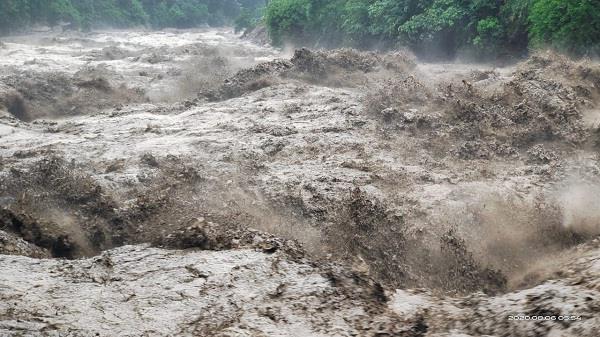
<point x="442" y="28"/>
<point x="446" y="28"/>
<point x="86" y="14"/>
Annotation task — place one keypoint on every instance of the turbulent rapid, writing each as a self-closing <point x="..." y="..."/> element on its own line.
<point x="193" y="183"/>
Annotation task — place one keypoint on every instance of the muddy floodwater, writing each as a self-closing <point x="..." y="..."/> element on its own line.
<point x="193" y="183"/>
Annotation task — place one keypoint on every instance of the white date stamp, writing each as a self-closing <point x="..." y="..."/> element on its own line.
<point x="544" y="318"/>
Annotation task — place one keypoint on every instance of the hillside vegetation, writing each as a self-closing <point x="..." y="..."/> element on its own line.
<point x="481" y="28"/>
<point x="86" y="14"/>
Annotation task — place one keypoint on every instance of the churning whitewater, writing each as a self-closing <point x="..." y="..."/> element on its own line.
<point x="193" y="183"/>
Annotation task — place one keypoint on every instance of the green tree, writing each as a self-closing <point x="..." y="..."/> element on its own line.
<point x="514" y="17"/>
<point x="438" y="29"/>
<point x="288" y="19"/>
<point x="14" y="14"/>
<point x="246" y="20"/>
<point x="387" y="16"/>
<point x="569" y="25"/>
<point x="489" y="36"/>
<point x="61" y="10"/>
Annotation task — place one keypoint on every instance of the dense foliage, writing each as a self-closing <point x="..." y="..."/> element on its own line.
<point x="434" y="28"/>
<point x="439" y="27"/>
<point x="570" y="25"/>
<point x="15" y="14"/>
